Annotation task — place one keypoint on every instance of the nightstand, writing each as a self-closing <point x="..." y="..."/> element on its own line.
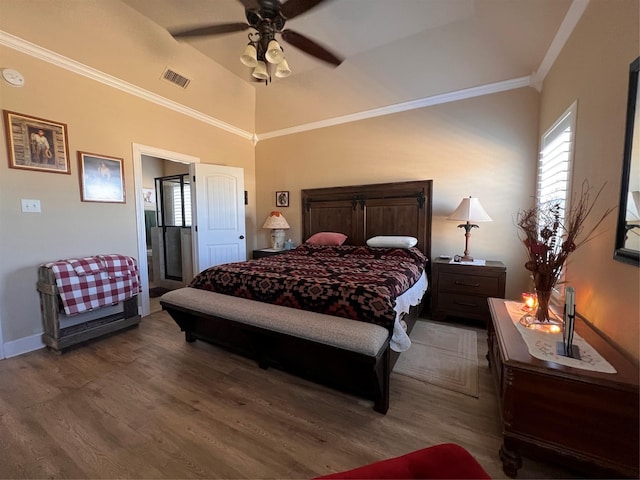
<point x="267" y="252"/>
<point x="462" y="290"/>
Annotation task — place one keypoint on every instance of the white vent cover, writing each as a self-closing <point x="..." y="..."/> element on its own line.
<point x="176" y="78"/>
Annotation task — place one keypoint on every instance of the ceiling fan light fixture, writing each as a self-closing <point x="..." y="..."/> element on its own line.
<point x="274" y="52"/>
<point x="283" y="70"/>
<point x="260" y="72"/>
<point x="249" y="57"/>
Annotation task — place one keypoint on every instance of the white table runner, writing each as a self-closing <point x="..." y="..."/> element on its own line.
<point x="542" y="345"/>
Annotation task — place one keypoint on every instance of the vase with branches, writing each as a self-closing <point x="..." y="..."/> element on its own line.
<point x="550" y="237"/>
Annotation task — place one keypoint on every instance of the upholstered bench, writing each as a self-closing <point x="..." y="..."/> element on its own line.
<point x="445" y="461"/>
<point x="361" y="337"/>
<point x="347" y="354"/>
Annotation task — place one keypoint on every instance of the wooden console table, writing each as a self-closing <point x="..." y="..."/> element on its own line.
<point x="584" y="420"/>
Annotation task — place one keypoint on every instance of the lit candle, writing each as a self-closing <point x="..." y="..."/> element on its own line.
<point x="530" y="301"/>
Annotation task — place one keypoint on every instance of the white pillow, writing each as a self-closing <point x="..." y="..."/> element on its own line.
<point x="391" y="241"/>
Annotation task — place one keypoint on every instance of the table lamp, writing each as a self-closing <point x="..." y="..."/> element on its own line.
<point x="469" y="211"/>
<point x="277" y="223"/>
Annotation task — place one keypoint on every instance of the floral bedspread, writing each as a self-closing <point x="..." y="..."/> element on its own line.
<point x="359" y="283"/>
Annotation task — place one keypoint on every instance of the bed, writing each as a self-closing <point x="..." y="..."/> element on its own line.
<point x="330" y="347"/>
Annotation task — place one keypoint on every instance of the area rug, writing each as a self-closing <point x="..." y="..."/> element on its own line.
<point x="442" y="355"/>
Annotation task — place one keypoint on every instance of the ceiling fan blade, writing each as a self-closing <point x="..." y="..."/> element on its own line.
<point x="293" y="8"/>
<point x="311" y="47"/>
<point x="211" y="30"/>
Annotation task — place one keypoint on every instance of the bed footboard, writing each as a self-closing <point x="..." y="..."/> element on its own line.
<point x="347" y="355"/>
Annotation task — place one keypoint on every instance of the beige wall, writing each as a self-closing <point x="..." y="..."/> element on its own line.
<point x="594" y="69"/>
<point x="484" y="147"/>
<point x="100" y="119"/>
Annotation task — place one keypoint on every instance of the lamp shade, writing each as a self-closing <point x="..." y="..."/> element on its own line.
<point x="260" y="72"/>
<point x="283" y="70"/>
<point x="276" y="220"/>
<point x="470" y="210"/>
<point x="274" y="53"/>
<point x="249" y="56"/>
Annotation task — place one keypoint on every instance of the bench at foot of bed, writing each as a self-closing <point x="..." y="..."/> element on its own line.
<point x="345" y="354"/>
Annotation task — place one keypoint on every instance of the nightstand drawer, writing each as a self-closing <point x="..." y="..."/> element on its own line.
<point x="471" y="284"/>
<point x="470" y="306"/>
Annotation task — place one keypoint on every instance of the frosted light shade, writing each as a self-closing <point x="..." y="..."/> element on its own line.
<point x="470" y="210"/>
<point x="282" y="70"/>
<point x="249" y="56"/>
<point x="274" y="53"/>
<point x="260" y="72"/>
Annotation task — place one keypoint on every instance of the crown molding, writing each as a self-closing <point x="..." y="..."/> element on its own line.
<point x="403" y="107"/>
<point x="61" y="61"/>
<point x="569" y="22"/>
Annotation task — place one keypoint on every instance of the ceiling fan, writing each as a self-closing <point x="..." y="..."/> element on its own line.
<point x="267" y="18"/>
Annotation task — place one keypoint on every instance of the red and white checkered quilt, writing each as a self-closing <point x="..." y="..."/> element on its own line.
<point x="94" y="282"/>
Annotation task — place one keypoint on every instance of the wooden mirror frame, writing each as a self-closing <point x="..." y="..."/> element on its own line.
<point x="623" y="253"/>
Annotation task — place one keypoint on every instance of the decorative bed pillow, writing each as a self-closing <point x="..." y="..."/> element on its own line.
<point x="326" y="238"/>
<point x="392" y="241"/>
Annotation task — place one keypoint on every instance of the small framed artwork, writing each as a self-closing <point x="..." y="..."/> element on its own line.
<point x="282" y="199"/>
<point x="149" y="196"/>
<point x="101" y="178"/>
<point x="36" y="144"/>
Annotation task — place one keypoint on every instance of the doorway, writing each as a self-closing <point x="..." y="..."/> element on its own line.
<point x="143" y="261"/>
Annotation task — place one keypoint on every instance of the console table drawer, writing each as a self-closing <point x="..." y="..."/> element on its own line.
<point x="472" y="284"/>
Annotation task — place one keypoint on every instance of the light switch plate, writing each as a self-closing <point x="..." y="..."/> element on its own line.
<point x="30" y="206"/>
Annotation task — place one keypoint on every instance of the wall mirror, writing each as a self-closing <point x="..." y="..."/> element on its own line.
<point x="628" y="232"/>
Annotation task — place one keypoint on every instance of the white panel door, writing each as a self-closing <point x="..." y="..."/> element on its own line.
<point x="218" y="215"/>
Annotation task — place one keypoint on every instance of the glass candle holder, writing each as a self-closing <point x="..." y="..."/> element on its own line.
<point x="530" y="301"/>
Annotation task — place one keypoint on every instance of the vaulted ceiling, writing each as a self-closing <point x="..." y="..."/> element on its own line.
<point x="395" y="51"/>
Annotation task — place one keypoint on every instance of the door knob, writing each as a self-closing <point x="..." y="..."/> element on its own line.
<point x="241" y="237"/>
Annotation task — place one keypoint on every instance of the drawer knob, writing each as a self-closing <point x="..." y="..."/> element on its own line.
<point x="457" y="282"/>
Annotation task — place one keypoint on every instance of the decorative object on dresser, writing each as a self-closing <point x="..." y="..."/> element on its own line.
<point x="277" y="223"/>
<point x="469" y="211"/>
<point x="461" y="290"/>
<point x="581" y="414"/>
<point x="551" y="234"/>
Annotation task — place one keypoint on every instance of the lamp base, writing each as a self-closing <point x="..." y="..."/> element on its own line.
<point x="466" y="258"/>
<point x="277" y="239"/>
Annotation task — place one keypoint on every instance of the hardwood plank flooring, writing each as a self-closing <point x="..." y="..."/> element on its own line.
<point x="144" y="403"/>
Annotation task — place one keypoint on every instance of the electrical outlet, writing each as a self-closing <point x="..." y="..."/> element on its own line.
<point x="30" y="206"/>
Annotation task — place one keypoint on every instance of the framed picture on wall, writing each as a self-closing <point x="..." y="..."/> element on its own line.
<point x="282" y="199"/>
<point x="149" y="196"/>
<point x="36" y="144"/>
<point x="101" y="178"/>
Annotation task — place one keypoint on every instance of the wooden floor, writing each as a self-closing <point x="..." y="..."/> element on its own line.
<point x="145" y="404"/>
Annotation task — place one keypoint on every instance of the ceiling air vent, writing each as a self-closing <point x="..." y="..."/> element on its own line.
<point x="175" y="77"/>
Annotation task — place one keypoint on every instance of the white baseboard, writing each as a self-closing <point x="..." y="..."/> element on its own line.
<point x="23" y="345"/>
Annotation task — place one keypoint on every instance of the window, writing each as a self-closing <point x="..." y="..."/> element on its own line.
<point x="177" y="204"/>
<point x="555" y="162"/>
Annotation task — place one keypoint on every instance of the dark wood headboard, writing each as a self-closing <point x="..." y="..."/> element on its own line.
<point x="364" y="211"/>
